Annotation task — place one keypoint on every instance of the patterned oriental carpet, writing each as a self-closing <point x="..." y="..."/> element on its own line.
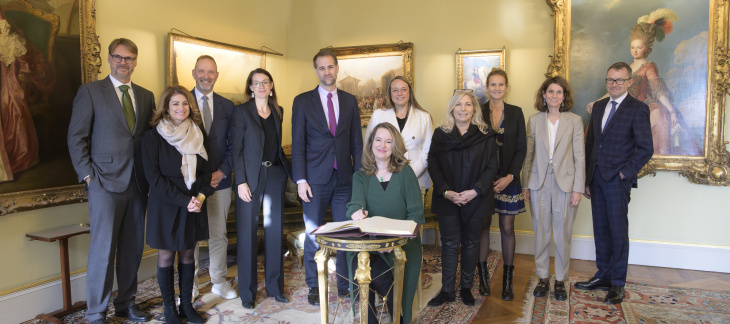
<point x="218" y="310"/>
<point x="643" y="304"/>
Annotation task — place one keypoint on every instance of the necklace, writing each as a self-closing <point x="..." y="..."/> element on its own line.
<point x="381" y="179"/>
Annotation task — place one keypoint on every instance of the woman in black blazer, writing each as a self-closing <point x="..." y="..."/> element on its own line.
<point x="509" y="122"/>
<point x="175" y="160"/>
<point x="462" y="162"/>
<point x="261" y="170"/>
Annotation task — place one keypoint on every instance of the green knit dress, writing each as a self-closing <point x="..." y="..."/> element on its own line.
<point x="400" y="200"/>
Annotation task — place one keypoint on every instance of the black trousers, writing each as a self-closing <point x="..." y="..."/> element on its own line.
<point x="269" y="195"/>
<point x="459" y="230"/>
<point x="381" y="282"/>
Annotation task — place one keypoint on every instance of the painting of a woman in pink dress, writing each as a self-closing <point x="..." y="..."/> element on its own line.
<point x="649" y="87"/>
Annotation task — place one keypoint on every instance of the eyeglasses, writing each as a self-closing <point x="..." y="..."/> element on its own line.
<point x="262" y="84"/>
<point x="617" y="81"/>
<point x="463" y="91"/>
<point x="127" y="59"/>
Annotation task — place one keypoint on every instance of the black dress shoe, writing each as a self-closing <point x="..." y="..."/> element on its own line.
<point x="442" y="298"/>
<point x="248" y="305"/>
<point x="593" y="284"/>
<point x="542" y="288"/>
<point x="133" y="314"/>
<point x="466" y="297"/>
<point x="281" y="299"/>
<point x="560" y="293"/>
<point x="615" y="295"/>
<point x="313" y="297"/>
<point x="103" y="321"/>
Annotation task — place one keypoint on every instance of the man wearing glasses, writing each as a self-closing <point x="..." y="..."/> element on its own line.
<point x="618" y="144"/>
<point x="108" y="119"/>
<point x="216" y="112"/>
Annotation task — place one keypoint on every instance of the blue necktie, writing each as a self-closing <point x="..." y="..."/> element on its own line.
<point x="610" y="113"/>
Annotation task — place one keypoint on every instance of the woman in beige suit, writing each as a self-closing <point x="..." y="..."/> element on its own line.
<point x="553" y="179"/>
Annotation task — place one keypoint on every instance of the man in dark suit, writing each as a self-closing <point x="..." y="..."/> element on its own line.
<point x="108" y="119"/>
<point x="216" y="112"/>
<point x="618" y="145"/>
<point x="326" y="150"/>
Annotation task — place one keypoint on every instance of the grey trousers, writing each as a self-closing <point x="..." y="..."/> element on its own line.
<point x="117" y="233"/>
<point x="551" y="212"/>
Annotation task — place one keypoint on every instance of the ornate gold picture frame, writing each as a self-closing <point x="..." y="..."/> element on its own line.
<point x="711" y="164"/>
<point x="472" y="68"/>
<point x="234" y="64"/>
<point x="51" y="181"/>
<point x="366" y="71"/>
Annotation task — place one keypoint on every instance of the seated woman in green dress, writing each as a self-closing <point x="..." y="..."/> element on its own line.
<point x="387" y="186"/>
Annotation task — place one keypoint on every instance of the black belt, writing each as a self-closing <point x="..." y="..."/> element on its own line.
<point x="269" y="163"/>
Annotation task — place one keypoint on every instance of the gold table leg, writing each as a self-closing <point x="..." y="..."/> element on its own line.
<point x="400" y="262"/>
<point x="321" y="257"/>
<point x="362" y="274"/>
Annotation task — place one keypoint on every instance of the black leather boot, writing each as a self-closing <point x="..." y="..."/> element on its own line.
<point x="507" y="293"/>
<point x="166" y="280"/>
<point x="185" y="282"/>
<point x="483" y="274"/>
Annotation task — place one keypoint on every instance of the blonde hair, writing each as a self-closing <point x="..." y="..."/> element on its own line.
<point x="397" y="157"/>
<point x="476" y="119"/>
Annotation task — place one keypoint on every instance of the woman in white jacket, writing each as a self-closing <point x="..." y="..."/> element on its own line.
<point x="413" y="122"/>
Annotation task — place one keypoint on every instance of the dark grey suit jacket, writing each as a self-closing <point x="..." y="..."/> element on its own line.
<point x="219" y="139"/>
<point x="100" y="142"/>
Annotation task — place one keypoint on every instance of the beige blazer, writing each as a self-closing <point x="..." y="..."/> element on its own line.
<point x="568" y="157"/>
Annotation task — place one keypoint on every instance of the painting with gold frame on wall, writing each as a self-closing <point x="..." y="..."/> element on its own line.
<point x="366" y="72"/>
<point x="679" y="57"/>
<point x="52" y="49"/>
<point x="472" y="68"/>
<point x="234" y="64"/>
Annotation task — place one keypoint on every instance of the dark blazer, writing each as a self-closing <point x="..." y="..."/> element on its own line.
<point x="99" y="140"/>
<point x="515" y="140"/>
<point x="247" y="135"/>
<point x="626" y="143"/>
<point x="169" y="224"/>
<point x="313" y="146"/>
<point x="219" y="138"/>
<point x="482" y="164"/>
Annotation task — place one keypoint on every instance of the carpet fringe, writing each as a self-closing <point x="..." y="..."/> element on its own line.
<point x="529" y="301"/>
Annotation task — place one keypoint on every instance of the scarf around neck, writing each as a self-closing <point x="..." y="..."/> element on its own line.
<point x="187" y="138"/>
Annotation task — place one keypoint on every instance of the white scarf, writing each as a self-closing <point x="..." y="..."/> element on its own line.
<point x="187" y="138"/>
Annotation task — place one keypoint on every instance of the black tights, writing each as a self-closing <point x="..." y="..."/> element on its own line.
<point x="166" y="258"/>
<point x="507" y="231"/>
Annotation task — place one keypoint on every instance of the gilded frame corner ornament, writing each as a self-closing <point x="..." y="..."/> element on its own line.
<point x="90" y="64"/>
<point x="404" y="49"/>
<point x="712" y="168"/>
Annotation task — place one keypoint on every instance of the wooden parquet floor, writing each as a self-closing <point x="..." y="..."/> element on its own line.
<point x="496" y="310"/>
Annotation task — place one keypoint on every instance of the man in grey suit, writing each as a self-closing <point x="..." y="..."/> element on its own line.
<point x="217" y="113"/>
<point x="108" y="119"/>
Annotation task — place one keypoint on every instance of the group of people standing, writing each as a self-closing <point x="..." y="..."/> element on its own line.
<point x="181" y="162"/>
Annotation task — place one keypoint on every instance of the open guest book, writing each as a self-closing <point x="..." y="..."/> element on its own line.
<point x="376" y="225"/>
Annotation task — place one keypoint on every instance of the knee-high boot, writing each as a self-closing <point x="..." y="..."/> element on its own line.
<point x="483" y="274"/>
<point x="507" y="283"/>
<point x="166" y="279"/>
<point x="185" y="281"/>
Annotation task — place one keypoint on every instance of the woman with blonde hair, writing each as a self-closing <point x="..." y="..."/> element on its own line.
<point x="387" y="186"/>
<point x="462" y="162"/>
<point x="176" y="166"/>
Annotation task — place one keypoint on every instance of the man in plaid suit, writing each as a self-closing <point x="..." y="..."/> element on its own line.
<point x="618" y="144"/>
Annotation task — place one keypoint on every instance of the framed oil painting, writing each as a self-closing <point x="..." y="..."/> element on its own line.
<point x="678" y="54"/>
<point x="49" y="50"/>
<point x="366" y="72"/>
<point x="234" y="64"/>
<point x="472" y="68"/>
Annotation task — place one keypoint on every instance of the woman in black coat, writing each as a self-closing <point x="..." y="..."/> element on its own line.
<point x="462" y="162"/>
<point x="509" y="123"/>
<point x="261" y="170"/>
<point x="175" y="164"/>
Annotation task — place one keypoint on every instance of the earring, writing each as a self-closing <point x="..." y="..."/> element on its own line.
<point x="271" y="94"/>
<point x="252" y="94"/>
<point x="562" y="104"/>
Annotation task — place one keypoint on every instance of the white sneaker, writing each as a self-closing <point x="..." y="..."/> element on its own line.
<point x="224" y="290"/>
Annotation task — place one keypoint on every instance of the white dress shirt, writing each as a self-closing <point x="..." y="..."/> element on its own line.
<point x="323" y="97"/>
<point x="199" y="99"/>
<point x="118" y="83"/>
<point x="608" y="108"/>
<point x="552" y="134"/>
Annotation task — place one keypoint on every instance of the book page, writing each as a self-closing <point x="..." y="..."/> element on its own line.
<point x="379" y="224"/>
<point x="332" y="227"/>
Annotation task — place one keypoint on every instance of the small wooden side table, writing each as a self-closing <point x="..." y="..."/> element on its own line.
<point x="62" y="234"/>
<point x="363" y="245"/>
